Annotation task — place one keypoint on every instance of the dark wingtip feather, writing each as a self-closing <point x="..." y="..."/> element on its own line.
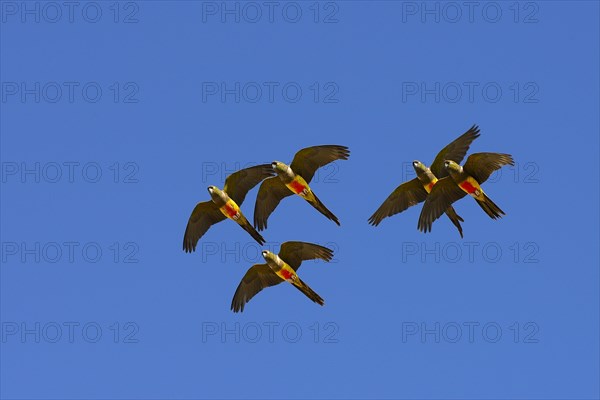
<point x="188" y="247"/>
<point x="325" y="253"/>
<point x="237" y="304"/>
<point x="343" y="152"/>
<point x="510" y="159"/>
<point x="374" y="219"/>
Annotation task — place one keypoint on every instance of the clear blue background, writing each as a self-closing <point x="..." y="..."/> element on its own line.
<point x="370" y="291"/>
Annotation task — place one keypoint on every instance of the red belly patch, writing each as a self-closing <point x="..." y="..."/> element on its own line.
<point x="297" y="187"/>
<point x="285" y="274"/>
<point x="230" y="210"/>
<point x="429" y="187"/>
<point x="468" y="187"/>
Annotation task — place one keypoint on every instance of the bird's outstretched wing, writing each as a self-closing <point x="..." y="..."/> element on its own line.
<point x="454" y="151"/>
<point x="238" y="184"/>
<point x="294" y="253"/>
<point x="203" y="216"/>
<point x="444" y="193"/>
<point x="270" y="193"/>
<point x="481" y="165"/>
<point x="307" y="161"/>
<point x="257" y="278"/>
<point x="406" y="195"/>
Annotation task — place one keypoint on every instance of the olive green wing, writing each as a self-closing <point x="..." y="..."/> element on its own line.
<point x="238" y="184"/>
<point x="257" y="278"/>
<point x="294" y="253"/>
<point x="270" y="193"/>
<point x="481" y="165"/>
<point x="404" y="196"/>
<point x="204" y="215"/>
<point x="444" y="193"/>
<point x="307" y="161"/>
<point x="454" y="151"/>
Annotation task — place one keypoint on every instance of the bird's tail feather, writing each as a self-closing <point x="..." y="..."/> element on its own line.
<point x="250" y="229"/>
<point x="490" y="207"/>
<point x="456" y="219"/>
<point x="323" y="210"/>
<point x="311" y="294"/>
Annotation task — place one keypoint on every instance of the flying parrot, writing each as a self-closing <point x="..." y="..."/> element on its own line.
<point x="225" y="204"/>
<point x="294" y="179"/>
<point x="416" y="190"/>
<point x="462" y="181"/>
<point x="280" y="268"/>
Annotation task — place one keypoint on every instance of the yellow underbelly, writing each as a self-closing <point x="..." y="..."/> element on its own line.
<point x="286" y="272"/>
<point x="471" y="186"/>
<point x="300" y="187"/>
<point x="231" y="210"/>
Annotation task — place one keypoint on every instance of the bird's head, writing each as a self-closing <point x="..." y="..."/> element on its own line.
<point x="215" y="192"/>
<point x="279" y="167"/>
<point x="452" y="167"/>
<point x="419" y="167"/>
<point x="267" y="255"/>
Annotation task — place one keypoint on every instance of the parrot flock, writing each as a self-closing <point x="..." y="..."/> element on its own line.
<point x="438" y="186"/>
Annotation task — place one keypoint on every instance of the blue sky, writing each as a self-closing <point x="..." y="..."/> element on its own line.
<point x="117" y="116"/>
